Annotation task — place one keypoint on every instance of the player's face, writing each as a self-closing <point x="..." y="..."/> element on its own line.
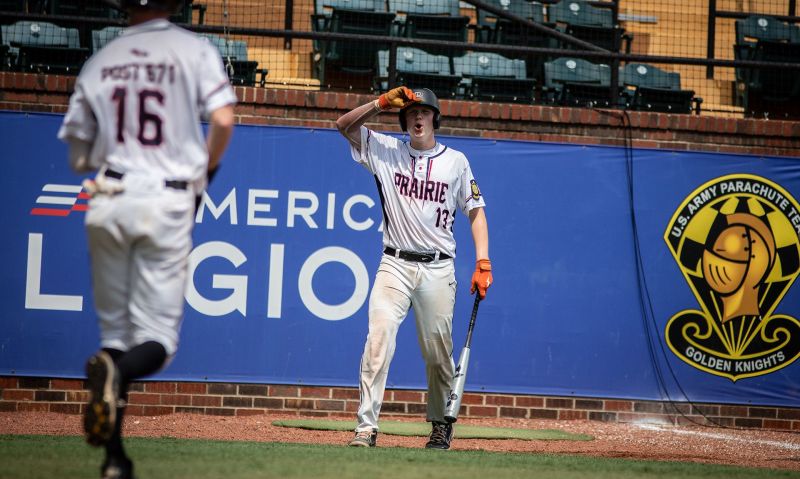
<point x="419" y="121"/>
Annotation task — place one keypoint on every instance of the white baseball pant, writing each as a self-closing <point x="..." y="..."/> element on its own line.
<point x="431" y="289"/>
<point x="139" y="242"/>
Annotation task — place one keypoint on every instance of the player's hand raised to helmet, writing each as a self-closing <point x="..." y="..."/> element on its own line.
<point x="399" y="97"/>
<point x="482" y="277"/>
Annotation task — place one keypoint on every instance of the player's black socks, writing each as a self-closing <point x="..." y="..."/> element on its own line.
<point x="115" y="354"/>
<point x="114" y="445"/>
<point x="142" y="360"/>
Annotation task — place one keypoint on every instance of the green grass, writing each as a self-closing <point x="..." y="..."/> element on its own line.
<point x="398" y="428"/>
<point x="32" y="457"/>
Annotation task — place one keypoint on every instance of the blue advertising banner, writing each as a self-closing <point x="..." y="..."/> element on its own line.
<point x="665" y="276"/>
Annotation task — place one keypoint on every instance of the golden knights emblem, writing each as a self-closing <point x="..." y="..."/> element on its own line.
<point x="736" y="240"/>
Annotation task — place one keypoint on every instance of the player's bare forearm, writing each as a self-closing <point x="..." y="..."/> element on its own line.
<point x="349" y="124"/>
<point x="480" y="233"/>
<point x="220" y="130"/>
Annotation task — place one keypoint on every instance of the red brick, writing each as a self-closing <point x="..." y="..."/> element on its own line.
<point x="299" y="404"/>
<point x="482" y="411"/>
<point x="66" y="384"/>
<point x="77" y="396"/>
<point x="17" y="395"/>
<point x="407" y="396"/>
<point x="249" y="412"/>
<point x="329" y="405"/>
<point x="777" y="424"/>
<point x="315" y="392"/>
<point x="207" y="401"/>
<point x="470" y="398"/>
<point x="543" y="413"/>
<point x="785" y="413"/>
<point x="567" y="414"/>
<point x="517" y="412"/>
<point x="30" y="407"/>
<point x="528" y="401"/>
<point x="284" y="391"/>
<point x="191" y="388"/>
<point x="618" y="405"/>
<point x="65" y="408"/>
<point x="8" y="382"/>
<point x="560" y="403"/>
<point x="499" y="400"/>
<point x="160" y="387"/>
<point x="337" y="393"/>
<point x="157" y="410"/>
<point x="176" y="399"/>
<point x="141" y="398"/>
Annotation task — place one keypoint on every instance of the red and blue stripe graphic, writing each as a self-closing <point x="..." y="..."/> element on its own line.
<point x="60" y="200"/>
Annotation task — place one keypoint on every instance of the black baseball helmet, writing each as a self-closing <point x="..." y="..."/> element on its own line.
<point x="170" y="6"/>
<point x="427" y="98"/>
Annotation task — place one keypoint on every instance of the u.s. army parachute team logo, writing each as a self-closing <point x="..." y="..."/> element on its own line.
<point x="737" y="241"/>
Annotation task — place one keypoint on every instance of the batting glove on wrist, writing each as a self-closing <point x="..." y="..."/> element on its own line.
<point x="399" y="97"/>
<point x="482" y="277"/>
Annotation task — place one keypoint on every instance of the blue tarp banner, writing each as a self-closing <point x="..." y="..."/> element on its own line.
<point x="668" y="275"/>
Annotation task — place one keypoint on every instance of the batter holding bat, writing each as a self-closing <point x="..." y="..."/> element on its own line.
<point x="422" y="185"/>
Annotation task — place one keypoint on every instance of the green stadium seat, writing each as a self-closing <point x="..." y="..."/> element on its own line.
<point x="241" y="70"/>
<point x="43" y="47"/>
<point x="577" y="82"/>
<point x="104" y="35"/>
<point x="595" y="25"/>
<point x="490" y="76"/>
<point x="649" y="88"/>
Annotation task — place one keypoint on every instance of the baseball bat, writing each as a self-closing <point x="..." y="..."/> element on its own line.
<point x="460" y="376"/>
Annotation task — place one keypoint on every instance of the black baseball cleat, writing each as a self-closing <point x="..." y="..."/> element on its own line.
<point x="364" y="439"/>
<point x="117" y="468"/>
<point x="100" y="416"/>
<point x="441" y="435"/>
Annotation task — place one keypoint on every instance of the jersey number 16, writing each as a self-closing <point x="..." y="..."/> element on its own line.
<point x="149" y="123"/>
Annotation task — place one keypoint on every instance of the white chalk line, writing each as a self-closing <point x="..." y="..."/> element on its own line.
<point x="726" y="437"/>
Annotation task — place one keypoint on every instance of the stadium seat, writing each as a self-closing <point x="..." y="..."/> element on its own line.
<point x="577" y="82"/>
<point x="417" y="68"/>
<point x="101" y="37"/>
<point x="772" y="92"/>
<point x="43" y="47"/>
<point x="505" y="32"/>
<point x="649" y="88"/>
<point x="352" y="64"/>
<point x="591" y="24"/>
<point x="490" y="76"/>
<point x="241" y="70"/>
<point x="749" y="32"/>
<point x="432" y="20"/>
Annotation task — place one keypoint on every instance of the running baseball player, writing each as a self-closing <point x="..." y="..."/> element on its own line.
<point x="422" y="185"/>
<point x="134" y="117"/>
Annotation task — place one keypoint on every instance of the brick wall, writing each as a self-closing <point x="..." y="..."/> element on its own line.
<point x="149" y="398"/>
<point x="42" y="93"/>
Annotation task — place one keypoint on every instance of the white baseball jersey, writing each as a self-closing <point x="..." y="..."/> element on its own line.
<point x="420" y="191"/>
<point x="140" y="99"/>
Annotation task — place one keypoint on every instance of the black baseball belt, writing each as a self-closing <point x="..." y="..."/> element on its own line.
<point x="175" y="184"/>
<point x="418" y="257"/>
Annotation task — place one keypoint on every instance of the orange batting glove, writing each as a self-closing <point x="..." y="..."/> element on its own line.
<point x="482" y="277"/>
<point x="399" y="97"/>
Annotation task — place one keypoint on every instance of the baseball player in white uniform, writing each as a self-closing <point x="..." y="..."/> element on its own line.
<point x="134" y="117"/>
<point x="422" y="185"/>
